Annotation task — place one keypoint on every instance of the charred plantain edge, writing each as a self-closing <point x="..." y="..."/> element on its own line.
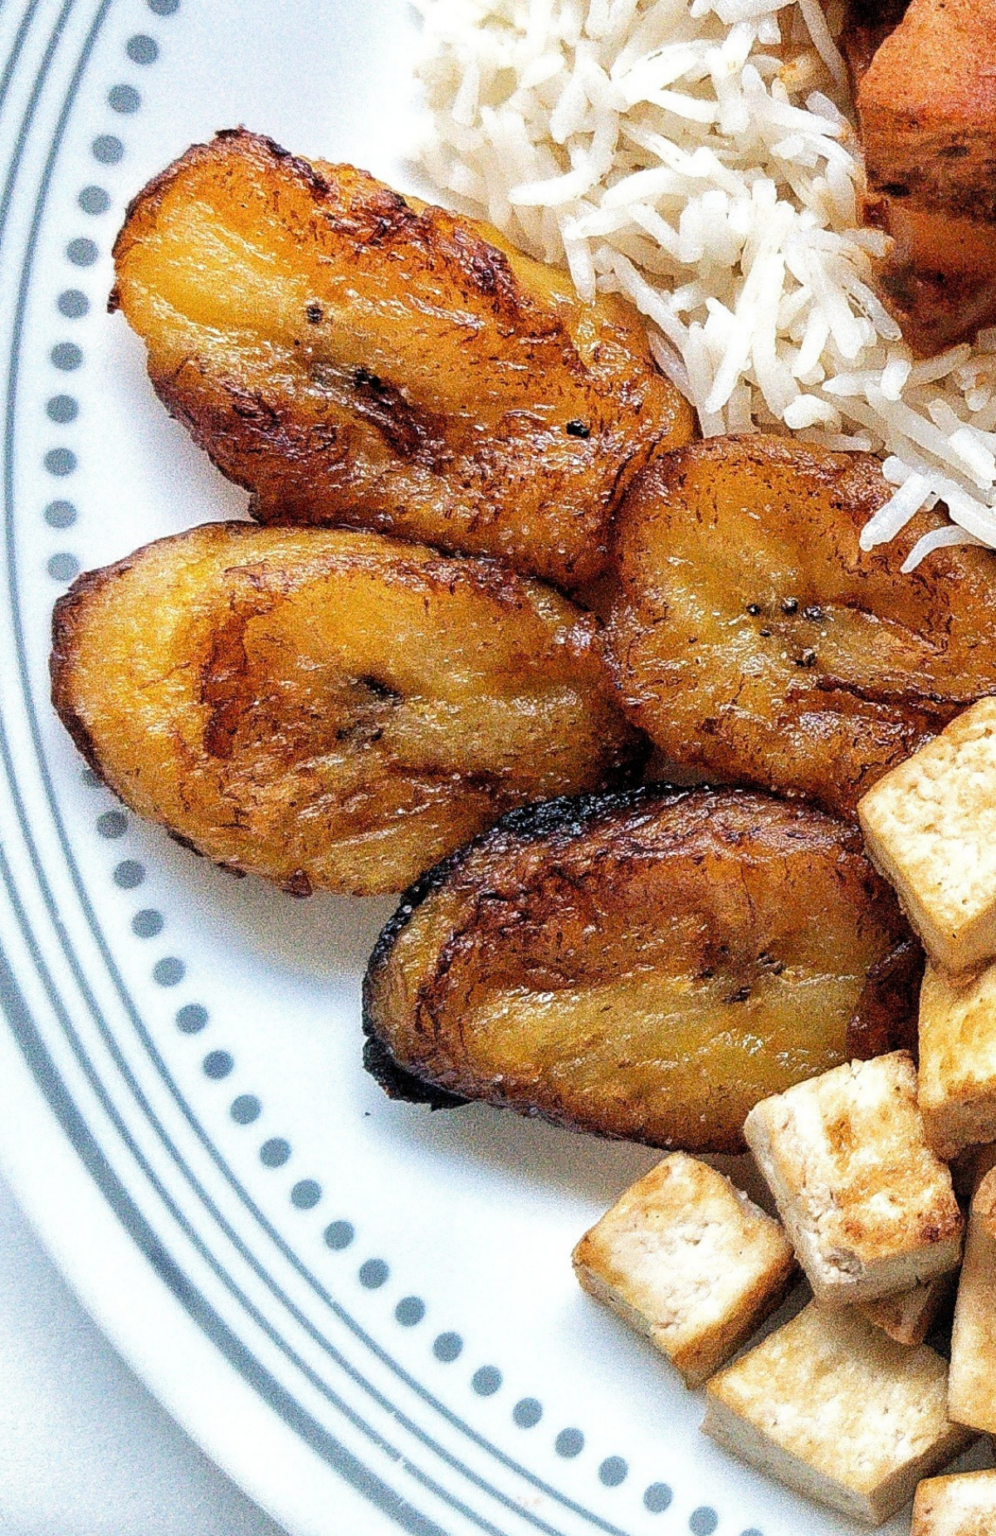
<point x="60" y="662"/>
<point x="152" y="193"/>
<point x="399" y="1084"/>
<point x="65" y="614"/>
<point x="573" y="815"/>
<point x="821" y="466"/>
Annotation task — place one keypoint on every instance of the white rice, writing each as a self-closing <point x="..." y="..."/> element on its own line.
<point x="697" y="156"/>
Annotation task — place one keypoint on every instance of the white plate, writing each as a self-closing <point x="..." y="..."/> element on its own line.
<point x="365" y="1313"/>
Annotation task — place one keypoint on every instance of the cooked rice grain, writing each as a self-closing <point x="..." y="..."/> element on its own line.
<point x="698" y="156"/>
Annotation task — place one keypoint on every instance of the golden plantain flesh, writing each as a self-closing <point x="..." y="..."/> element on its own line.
<point x="646" y="965"/>
<point x="754" y="640"/>
<point x="358" y="359"/>
<point x="331" y="710"/>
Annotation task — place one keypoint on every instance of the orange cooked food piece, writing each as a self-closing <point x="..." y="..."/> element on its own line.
<point x="355" y="358"/>
<point x="927" y="113"/>
<point x="646" y="965"/>
<point x="752" y="638"/>
<point x="331" y="710"/>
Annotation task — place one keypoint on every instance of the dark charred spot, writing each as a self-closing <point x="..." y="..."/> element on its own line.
<point x="953" y="151"/>
<point x="398" y="1083"/>
<point x="790" y="605"/>
<point x="254" y="410"/>
<point x="885" y="1018"/>
<point x="741" y="995"/>
<point x="815" y="613"/>
<point x="807" y="659"/>
<point x="411" y="432"/>
<point x="765" y="634"/>
<point x="485" y="275"/>
<point x="898" y="283"/>
<point x="753" y="609"/>
<point x="384" y="215"/>
<point x="895" y="189"/>
<point x="191" y="847"/>
<point x="223" y="684"/>
<point x="577" y="429"/>
<point x="380" y="690"/>
<point x="314" y="314"/>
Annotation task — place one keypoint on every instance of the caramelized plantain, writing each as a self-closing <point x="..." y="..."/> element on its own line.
<point x="357" y="359"/>
<point x="646" y="965"/>
<point x="332" y="710"/>
<point x="754" y="640"/>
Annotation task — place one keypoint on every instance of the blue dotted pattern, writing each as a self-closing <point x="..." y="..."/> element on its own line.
<point x="373" y="1274"/>
<point x="447" y="1347"/>
<point x="245" y="1109"/>
<point x="274" y="1152"/>
<point x="191" y="1018"/>
<point x="305" y="1194"/>
<point x="570" y="1443"/>
<point x="657" y="1498"/>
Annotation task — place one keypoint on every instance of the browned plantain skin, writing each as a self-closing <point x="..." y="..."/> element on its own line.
<point x="329" y="709"/>
<point x="646" y="965"/>
<point x="357" y="359"/>
<point x="755" y="641"/>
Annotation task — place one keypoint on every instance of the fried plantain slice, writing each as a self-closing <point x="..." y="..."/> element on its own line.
<point x="754" y="640"/>
<point x="646" y="965"/>
<point x="331" y="710"/>
<point x="359" y="359"/>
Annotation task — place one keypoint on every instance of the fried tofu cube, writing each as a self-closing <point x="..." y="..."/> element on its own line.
<point x="930" y="826"/>
<point x="867" y="1205"/>
<point x="832" y="1407"/>
<point x="907" y="1316"/>
<point x="688" y="1260"/>
<point x="961" y="1505"/>
<point x="972" y="1388"/>
<point x="957" y="1080"/>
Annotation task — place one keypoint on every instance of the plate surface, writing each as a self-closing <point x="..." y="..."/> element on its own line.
<point x="365" y="1313"/>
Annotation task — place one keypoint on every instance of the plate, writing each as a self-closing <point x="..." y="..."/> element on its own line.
<point x="364" y="1312"/>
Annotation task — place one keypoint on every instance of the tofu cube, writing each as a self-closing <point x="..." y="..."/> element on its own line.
<point x="972" y="1387"/>
<point x="907" y="1316"/>
<point x="832" y="1407"/>
<point x="962" y="1505"/>
<point x="867" y="1205"/>
<point x="930" y="826"/>
<point x="688" y="1260"/>
<point x="957" y="1082"/>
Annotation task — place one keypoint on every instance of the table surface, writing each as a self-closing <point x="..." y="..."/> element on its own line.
<point x="85" y="1450"/>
